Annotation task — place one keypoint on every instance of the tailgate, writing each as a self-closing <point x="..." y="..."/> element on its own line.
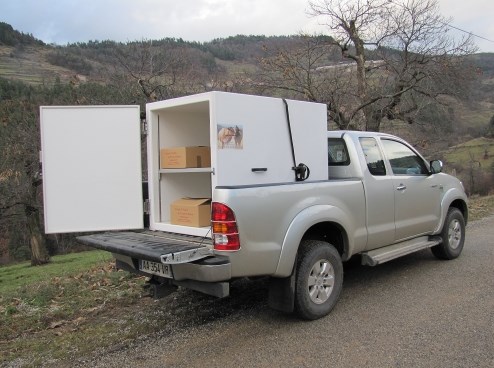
<point x="164" y="248"/>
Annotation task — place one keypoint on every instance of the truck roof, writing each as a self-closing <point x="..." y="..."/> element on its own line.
<point x="358" y="134"/>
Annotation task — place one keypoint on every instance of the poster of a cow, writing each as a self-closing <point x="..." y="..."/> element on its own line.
<point x="230" y="137"/>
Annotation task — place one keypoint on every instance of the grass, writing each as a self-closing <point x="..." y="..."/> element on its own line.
<point x="30" y="66"/>
<point x="480" y="207"/>
<point x="473" y="163"/>
<point x="479" y="151"/>
<point x="48" y="312"/>
<point x="21" y="274"/>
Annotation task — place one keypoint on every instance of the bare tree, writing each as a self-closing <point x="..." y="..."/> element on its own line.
<point x="490" y="128"/>
<point x="400" y="58"/>
<point x="152" y="69"/>
<point x="158" y="70"/>
<point x="306" y="70"/>
<point x="19" y="174"/>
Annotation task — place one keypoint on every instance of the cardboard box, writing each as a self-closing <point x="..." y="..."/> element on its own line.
<point x="184" y="157"/>
<point x="194" y="212"/>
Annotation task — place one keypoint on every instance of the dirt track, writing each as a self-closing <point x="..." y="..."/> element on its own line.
<point x="412" y="312"/>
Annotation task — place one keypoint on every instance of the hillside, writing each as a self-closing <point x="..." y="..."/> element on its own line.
<point x="216" y="64"/>
<point x="473" y="162"/>
<point x="219" y="64"/>
<point x="29" y="64"/>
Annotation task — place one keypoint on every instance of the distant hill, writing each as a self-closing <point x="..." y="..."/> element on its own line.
<point x="10" y="37"/>
<point x="485" y="63"/>
<point x="24" y="58"/>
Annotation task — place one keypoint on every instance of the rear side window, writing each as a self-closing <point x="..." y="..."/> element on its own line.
<point x="373" y="156"/>
<point x="337" y="152"/>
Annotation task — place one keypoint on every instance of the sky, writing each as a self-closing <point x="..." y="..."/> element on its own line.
<point x="67" y="21"/>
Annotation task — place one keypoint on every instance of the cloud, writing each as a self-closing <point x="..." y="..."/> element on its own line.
<point x="473" y="16"/>
<point x="60" y="22"/>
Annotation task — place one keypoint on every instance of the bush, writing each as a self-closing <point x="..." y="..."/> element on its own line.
<point x="69" y="61"/>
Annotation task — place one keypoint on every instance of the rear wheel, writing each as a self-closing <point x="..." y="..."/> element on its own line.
<point x="319" y="279"/>
<point x="453" y="236"/>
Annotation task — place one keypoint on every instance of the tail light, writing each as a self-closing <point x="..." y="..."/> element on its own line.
<point x="224" y="224"/>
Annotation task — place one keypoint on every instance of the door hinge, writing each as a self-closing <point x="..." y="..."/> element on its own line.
<point x="144" y="127"/>
<point x="147" y="207"/>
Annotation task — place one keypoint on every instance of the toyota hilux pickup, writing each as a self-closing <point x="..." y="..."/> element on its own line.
<point x="285" y="199"/>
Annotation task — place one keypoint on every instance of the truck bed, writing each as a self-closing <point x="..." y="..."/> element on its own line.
<point x="147" y="245"/>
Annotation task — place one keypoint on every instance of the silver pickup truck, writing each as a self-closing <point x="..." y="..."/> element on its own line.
<point x="381" y="200"/>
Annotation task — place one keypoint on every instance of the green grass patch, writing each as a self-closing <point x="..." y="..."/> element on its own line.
<point x="67" y="306"/>
<point x="22" y="274"/>
<point x="478" y="152"/>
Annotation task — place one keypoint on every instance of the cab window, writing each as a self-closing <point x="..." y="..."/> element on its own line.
<point x="403" y="160"/>
<point x="373" y="156"/>
<point x="337" y="152"/>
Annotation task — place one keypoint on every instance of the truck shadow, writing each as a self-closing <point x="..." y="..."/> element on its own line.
<point x="249" y="296"/>
<point x="357" y="274"/>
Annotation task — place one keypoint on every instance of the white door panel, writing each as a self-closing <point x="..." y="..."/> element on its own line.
<point x="91" y="157"/>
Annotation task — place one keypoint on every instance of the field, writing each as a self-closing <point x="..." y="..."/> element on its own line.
<point x="473" y="163"/>
<point x="56" y="310"/>
<point x="30" y="66"/>
<point x="478" y="152"/>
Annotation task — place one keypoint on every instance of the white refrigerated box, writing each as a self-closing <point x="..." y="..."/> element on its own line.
<point x="91" y="156"/>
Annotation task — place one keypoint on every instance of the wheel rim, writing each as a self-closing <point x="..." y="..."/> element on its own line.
<point x="321" y="281"/>
<point x="454" y="234"/>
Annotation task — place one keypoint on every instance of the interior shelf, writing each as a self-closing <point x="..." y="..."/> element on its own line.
<point x="204" y="232"/>
<point x="189" y="170"/>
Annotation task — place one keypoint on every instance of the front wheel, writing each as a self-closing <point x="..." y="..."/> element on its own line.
<point x="453" y="236"/>
<point x="319" y="279"/>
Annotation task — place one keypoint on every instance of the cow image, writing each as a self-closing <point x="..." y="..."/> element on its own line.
<point x="226" y="134"/>
<point x="238" y="137"/>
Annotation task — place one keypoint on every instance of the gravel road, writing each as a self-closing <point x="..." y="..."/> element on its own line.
<point x="412" y="312"/>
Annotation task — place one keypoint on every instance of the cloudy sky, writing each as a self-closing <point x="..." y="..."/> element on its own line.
<point x="63" y="21"/>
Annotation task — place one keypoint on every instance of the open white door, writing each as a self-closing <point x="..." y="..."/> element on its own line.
<point x="91" y="161"/>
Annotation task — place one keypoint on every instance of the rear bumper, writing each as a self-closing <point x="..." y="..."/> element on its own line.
<point x="212" y="269"/>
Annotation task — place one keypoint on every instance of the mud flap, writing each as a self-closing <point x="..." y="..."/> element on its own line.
<point x="159" y="290"/>
<point x="282" y="293"/>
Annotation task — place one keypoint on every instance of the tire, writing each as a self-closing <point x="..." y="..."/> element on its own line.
<point x="453" y="236"/>
<point x="319" y="279"/>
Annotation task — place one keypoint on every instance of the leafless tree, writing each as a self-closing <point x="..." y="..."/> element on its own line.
<point x="160" y="71"/>
<point x="490" y="128"/>
<point x="398" y="57"/>
<point x="306" y="70"/>
<point x="153" y="69"/>
<point x="20" y="180"/>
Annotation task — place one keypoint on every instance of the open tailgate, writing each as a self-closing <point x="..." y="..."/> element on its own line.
<point x="160" y="247"/>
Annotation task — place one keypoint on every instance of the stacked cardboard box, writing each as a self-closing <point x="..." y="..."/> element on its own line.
<point x="185" y="157"/>
<point x="194" y="212"/>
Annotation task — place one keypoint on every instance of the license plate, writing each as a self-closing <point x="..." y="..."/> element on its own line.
<point x="155" y="268"/>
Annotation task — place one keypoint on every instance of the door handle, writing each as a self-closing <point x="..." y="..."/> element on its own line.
<point x="401" y="187"/>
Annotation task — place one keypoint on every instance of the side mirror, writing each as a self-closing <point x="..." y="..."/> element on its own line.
<point x="436" y="166"/>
